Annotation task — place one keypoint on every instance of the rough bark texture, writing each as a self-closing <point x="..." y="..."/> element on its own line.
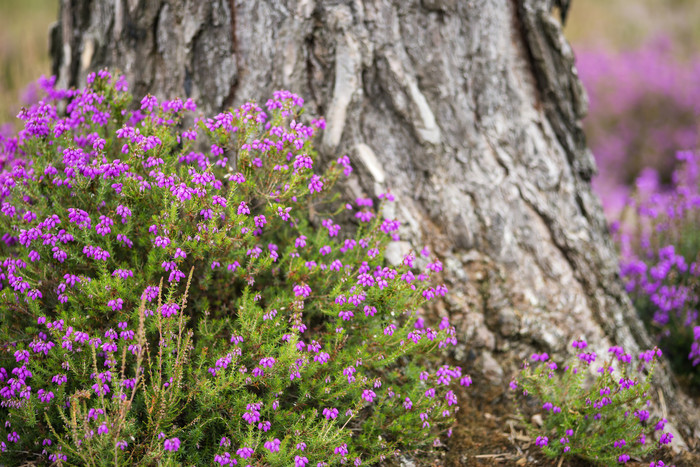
<point x="468" y="111"/>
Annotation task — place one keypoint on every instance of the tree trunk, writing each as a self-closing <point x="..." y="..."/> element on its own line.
<point x="467" y="111"/>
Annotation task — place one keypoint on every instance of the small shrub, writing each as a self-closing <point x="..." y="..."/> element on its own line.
<point x="167" y="304"/>
<point x="605" y="421"/>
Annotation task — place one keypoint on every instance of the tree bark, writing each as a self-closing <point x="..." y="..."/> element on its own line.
<point x="467" y="111"/>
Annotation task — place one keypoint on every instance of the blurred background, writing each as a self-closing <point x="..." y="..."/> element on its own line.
<point x="24" y="50"/>
<point x="640" y="63"/>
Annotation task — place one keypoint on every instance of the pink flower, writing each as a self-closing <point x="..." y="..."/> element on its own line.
<point x="116" y="305"/>
<point x="330" y="413"/>
<point x="243" y="209"/>
<point x="315" y="184"/>
<point x="273" y="446"/>
<point x="172" y="444"/>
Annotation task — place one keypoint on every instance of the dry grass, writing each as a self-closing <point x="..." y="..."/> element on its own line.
<point x="24" y="26"/>
<point x="622" y="24"/>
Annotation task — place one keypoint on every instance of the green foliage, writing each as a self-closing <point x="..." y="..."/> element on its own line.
<point x="597" y="414"/>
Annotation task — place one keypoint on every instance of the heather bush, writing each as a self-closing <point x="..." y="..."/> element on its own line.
<point x="184" y="294"/>
<point x="660" y="244"/>
<point x="597" y="414"/>
<point x="644" y="107"/>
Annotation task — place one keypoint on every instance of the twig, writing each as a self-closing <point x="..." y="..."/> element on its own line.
<point x="662" y="401"/>
<point x="491" y="456"/>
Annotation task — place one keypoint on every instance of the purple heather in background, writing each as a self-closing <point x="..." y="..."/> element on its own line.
<point x="643" y="129"/>
<point x="644" y="106"/>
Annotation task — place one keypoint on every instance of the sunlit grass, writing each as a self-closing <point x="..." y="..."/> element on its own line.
<point x="625" y="24"/>
<point x="24" y="47"/>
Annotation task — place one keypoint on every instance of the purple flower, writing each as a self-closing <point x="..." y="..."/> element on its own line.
<point x="264" y="426"/>
<point x="315" y="184"/>
<point x="172" y="444"/>
<point x="224" y="459"/>
<point x="300" y="461"/>
<point x="330" y="413"/>
<point x="103" y="227"/>
<point x="148" y="103"/>
<point x="162" y="242"/>
<point x="302" y="290"/>
<point x="666" y="438"/>
<point x="579" y="344"/>
<point x="267" y="362"/>
<point x="660" y="424"/>
<point x="365" y="280"/>
<point x="368" y="395"/>
<point x="322" y="357"/>
<point x="273" y="446"/>
<point x="541" y="357"/>
<point x="588" y="357"/>
<point x="642" y="415"/>
<point x="260" y="221"/>
<point x="303" y="161"/>
<point x="245" y="452"/>
<point x="346" y="315"/>
<point x="342" y="450"/>
<point x="115" y="305"/>
<point x="243" y="209"/>
<point x="649" y="355"/>
<point x="169" y="309"/>
<point x="284" y="213"/>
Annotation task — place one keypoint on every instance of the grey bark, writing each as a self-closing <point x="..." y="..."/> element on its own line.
<point x="467" y="111"/>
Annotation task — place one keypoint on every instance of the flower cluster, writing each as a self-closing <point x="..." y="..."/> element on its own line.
<point x="167" y="289"/>
<point x="605" y="422"/>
